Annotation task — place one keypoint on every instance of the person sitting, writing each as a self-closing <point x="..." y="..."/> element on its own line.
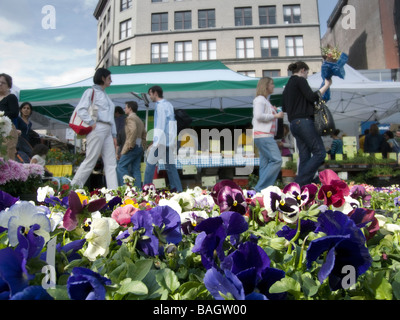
<point x="39" y="157"/>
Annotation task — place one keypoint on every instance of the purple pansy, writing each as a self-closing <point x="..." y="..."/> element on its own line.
<point x="345" y="246"/>
<point x="246" y="275"/>
<point x="155" y="228"/>
<point x="214" y="231"/>
<point x="229" y="197"/>
<point x="6" y="200"/>
<point x="76" y="208"/>
<point x="85" y="284"/>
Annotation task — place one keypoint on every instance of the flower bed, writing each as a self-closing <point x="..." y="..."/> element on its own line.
<point x="334" y="241"/>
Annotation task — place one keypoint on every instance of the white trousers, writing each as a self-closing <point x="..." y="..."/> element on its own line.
<point x="98" y="143"/>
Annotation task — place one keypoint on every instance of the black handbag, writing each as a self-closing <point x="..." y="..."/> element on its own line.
<point x="323" y="119"/>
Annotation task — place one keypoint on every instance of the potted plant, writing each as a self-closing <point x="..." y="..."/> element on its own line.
<point x="290" y="169"/>
<point x="20" y="179"/>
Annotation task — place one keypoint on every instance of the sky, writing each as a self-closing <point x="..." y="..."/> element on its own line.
<point x="48" y="43"/>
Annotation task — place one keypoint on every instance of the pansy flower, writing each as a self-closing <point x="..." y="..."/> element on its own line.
<point x="231" y="199"/>
<point x="344" y="245"/>
<point x="190" y="220"/>
<point x="333" y="190"/>
<point x="213" y="232"/>
<point x="154" y="228"/>
<point x="251" y="266"/>
<point x="77" y="205"/>
<point x="99" y="237"/>
<point x="6" y="200"/>
<point x="25" y="215"/>
<point x="303" y="195"/>
<point x="85" y="284"/>
<point x="365" y="218"/>
<point x="123" y="215"/>
<point x="285" y="204"/>
<point x="359" y="192"/>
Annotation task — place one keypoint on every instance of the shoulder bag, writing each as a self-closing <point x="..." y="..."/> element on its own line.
<point x="78" y="125"/>
<point x="323" y="119"/>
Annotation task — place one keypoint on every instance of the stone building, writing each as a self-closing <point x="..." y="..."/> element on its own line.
<point x="256" y="38"/>
<point x="369" y="33"/>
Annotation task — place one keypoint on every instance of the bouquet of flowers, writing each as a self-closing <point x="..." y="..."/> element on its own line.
<point x="333" y="65"/>
<point x="330" y="54"/>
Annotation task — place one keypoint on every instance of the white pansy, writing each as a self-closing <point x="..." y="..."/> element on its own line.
<point x="185" y="199"/>
<point x="24" y="214"/>
<point x="44" y="192"/>
<point x="99" y="237"/>
<point x="349" y="205"/>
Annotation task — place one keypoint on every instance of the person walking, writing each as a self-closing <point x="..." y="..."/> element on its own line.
<point x="134" y="146"/>
<point x="164" y="142"/>
<point x="299" y="102"/>
<point x="264" y="127"/>
<point x="102" y="140"/>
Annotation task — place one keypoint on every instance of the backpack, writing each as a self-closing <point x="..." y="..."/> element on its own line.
<point x="183" y="120"/>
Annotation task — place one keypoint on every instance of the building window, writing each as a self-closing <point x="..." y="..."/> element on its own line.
<point x="207" y="49"/>
<point x="267" y="15"/>
<point x="272" y="73"/>
<point x="249" y="73"/>
<point x="126" y="4"/>
<point x="292" y="14"/>
<point x="108" y="39"/>
<point x="125" y="57"/>
<point x="206" y="18"/>
<point x="243" y="17"/>
<point x="294" y="46"/>
<point x="159" y="52"/>
<point x="183" y="51"/>
<point x="244" y="48"/>
<point x="159" y="21"/>
<point x="108" y="15"/>
<point x="125" y="29"/>
<point x="101" y="30"/>
<point x="183" y="20"/>
<point x="269" y="47"/>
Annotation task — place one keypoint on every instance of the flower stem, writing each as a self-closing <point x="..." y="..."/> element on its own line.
<point x="296" y="236"/>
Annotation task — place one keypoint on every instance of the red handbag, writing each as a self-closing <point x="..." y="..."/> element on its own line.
<point x="78" y="125"/>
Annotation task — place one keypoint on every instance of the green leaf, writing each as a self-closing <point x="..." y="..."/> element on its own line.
<point x="310" y="286"/>
<point x="396" y="285"/>
<point x="168" y="280"/>
<point x="379" y="286"/>
<point x="135" y="287"/>
<point x="59" y="293"/>
<point x="140" y="269"/>
<point x="286" y="284"/>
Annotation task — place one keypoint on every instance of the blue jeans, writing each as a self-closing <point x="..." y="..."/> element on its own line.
<point x="270" y="162"/>
<point x="172" y="172"/>
<point x="129" y="164"/>
<point x="311" y="149"/>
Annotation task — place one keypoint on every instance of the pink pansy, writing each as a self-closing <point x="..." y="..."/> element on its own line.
<point x="123" y="214"/>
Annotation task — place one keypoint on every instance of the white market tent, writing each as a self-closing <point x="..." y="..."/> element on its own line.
<point x="207" y="85"/>
<point x="356" y="99"/>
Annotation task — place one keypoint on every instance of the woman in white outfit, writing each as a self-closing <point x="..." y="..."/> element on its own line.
<point x="102" y="140"/>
